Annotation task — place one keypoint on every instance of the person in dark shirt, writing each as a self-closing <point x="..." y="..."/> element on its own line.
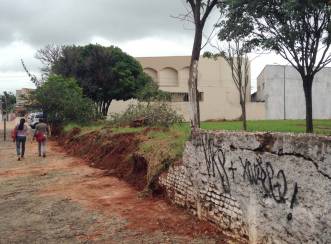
<point x="41" y="133"/>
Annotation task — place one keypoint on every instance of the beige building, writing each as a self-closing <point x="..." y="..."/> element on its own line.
<point x="219" y="98"/>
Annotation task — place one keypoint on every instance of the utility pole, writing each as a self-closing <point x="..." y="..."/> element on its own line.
<point x="5" y="129"/>
<point x="4" y="120"/>
<point x="5" y="115"/>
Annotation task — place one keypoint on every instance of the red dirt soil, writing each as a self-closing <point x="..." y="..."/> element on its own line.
<point x="113" y="196"/>
<point x="111" y="154"/>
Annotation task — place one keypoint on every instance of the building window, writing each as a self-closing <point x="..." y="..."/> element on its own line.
<point x="168" y="77"/>
<point x="183" y="96"/>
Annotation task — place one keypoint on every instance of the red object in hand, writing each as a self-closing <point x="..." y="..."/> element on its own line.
<point x="40" y="137"/>
<point x="14" y="134"/>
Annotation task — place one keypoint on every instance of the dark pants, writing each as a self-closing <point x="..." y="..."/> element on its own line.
<point x="20" y="144"/>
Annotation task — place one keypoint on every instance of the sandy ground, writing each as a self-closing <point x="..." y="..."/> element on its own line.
<point x="59" y="199"/>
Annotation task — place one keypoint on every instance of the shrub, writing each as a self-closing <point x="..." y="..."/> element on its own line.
<point x="156" y="114"/>
<point x="62" y="101"/>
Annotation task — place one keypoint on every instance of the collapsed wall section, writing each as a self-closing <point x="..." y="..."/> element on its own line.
<point x="261" y="187"/>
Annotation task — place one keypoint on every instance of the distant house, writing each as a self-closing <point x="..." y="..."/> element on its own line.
<point x="219" y="98"/>
<point x="22" y="100"/>
<point x="281" y="89"/>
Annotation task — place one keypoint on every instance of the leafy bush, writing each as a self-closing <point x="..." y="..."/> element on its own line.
<point x="156" y="114"/>
<point x="62" y="101"/>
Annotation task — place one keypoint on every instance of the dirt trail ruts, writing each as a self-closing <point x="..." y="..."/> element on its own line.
<point x="59" y="199"/>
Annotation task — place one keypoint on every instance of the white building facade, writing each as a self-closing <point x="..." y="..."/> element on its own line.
<point x="281" y="89"/>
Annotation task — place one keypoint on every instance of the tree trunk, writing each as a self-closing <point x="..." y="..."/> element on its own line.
<point x="193" y="79"/>
<point x="307" y="87"/>
<point x="105" y="108"/>
<point x="243" y="111"/>
<point x="99" y="107"/>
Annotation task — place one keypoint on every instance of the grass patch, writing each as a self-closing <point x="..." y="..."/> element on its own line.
<point x="172" y="139"/>
<point x="163" y="148"/>
<point x="120" y="130"/>
<point x="322" y="127"/>
<point x="99" y="125"/>
<point x="86" y="128"/>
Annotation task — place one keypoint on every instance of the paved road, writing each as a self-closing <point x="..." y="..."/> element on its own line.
<point x="59" y="199"/>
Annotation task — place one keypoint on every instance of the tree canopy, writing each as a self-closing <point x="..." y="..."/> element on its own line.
<point x="298" y="30"/>
<point x="104" y="73"/>
<point x="62" y="100"/>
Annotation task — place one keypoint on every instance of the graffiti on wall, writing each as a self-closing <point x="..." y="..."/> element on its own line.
<point x="273" y="183"/>
<point x="215" y="162"/>
<point x="259" y="173"/>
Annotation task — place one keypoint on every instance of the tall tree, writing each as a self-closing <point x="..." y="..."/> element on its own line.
<point x="104" y="73"/>
<point x="298" y="30"/>
<point x="200" y="11"/>
<point x="234" y="44"/>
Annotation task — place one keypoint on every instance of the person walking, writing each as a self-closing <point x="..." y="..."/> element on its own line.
<point x="20" y="134"/>
<point x="41" y="133"/>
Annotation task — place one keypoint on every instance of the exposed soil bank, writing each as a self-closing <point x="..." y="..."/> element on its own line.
<point x="115" y="154"/>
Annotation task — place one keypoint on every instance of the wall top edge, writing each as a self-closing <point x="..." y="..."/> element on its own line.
<point x="264" y="133"/>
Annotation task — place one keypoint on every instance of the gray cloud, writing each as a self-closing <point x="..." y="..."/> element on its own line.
<point x="40" y="22"/>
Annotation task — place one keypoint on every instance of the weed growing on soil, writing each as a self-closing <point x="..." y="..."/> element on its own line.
<point x="173" y="138"/>
<point x="155" y="114"/>
<point x="120" y="130"/>
<point x="85" y="128"/>
<point x="161" y="149"/>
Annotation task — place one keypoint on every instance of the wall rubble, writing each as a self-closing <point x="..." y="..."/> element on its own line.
<point x="268" y="188"/>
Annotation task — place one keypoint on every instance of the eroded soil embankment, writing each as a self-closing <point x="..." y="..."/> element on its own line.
<point x="115" y="154"/>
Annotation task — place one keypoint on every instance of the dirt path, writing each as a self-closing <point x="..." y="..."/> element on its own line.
<point x="59" y="199"/>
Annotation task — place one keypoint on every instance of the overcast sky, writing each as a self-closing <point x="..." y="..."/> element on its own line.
<point x="139" y="27"/>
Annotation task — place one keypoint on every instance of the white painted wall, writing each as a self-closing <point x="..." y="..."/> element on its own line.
<point x="271" y="89"/>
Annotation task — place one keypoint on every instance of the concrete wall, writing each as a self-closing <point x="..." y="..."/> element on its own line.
<point x="220" y="96"/>
<point x="265" y="188"/>
<point x="255" y="111"/>
<point x="272" y="90"/>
